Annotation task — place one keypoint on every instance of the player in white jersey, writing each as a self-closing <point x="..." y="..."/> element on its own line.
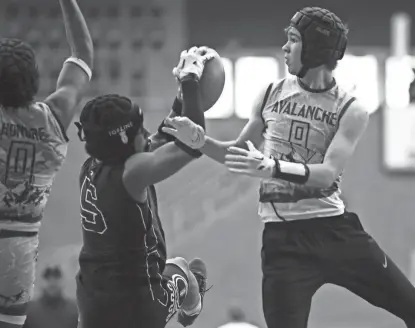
<point x="309" y="128"/>
<point x="33" y="145"/>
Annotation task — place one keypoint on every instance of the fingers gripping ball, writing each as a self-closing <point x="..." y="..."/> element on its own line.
<point x="212" y="81"/>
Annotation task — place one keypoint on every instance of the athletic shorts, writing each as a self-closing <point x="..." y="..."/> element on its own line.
<point x="147" y="305"/>
<point x="299" y="257"/>
<point x="18" y="256"/>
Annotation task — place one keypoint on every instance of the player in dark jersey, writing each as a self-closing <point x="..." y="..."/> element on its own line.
<point x="33" y="146"/>
<point x="124" y="278"/>
<point x="309" y="127"/>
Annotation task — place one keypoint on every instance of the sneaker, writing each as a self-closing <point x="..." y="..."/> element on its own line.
<point x="198" y="268"/>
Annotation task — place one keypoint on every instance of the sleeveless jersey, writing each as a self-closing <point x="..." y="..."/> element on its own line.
<point x="123" y="241"/>
<point x="33" y="146"/>
<point x="299" y="127"/>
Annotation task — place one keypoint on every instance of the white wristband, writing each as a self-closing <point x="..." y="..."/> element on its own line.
<point x="81" y="64"/>
<point x="292" y="168"/>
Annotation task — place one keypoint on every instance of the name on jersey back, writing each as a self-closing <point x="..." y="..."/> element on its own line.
<point x="12" y="130"/>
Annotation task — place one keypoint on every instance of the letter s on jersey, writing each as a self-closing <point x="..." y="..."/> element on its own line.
<point x="92" y="218"/>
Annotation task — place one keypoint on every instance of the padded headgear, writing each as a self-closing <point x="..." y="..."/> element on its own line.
<point x="109" y="125"/>
<point x="124" y="127"/>
<point x="324" y="37"/>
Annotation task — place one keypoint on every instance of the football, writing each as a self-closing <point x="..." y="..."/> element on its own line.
<point x="212" y="81"/>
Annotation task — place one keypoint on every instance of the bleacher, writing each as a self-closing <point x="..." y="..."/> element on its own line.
<point x="127" y="40"/>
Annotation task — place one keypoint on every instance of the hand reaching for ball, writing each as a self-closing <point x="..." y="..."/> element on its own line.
<point x="204" y="64"/>
<point x="192" y="62"/>
<point x="197" y="51"/>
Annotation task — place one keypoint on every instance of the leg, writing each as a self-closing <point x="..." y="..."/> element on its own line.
<point x="373" y="276"/>
<point x="113" y="307"/>
<point x="139" y="307"/>
<point x="17" y="271"/>
<point x="291" y="276"/>
<point x="286" y="302"/>
<point x="196" y="274"/>
<point x="185" y="282"/>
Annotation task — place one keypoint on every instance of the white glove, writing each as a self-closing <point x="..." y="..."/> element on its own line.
<point x="186" y="131"/>
<point x="249" y="162"/>
<point x="193" y="62"/>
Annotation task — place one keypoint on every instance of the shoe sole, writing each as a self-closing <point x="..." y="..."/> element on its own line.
<point x="197" y="265"/>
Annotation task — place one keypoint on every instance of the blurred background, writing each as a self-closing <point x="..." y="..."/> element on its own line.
<point x="138" y="42"/>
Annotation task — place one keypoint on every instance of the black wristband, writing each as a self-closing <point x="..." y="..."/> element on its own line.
<point x="165" y="135"/>
<point x="192" y="102"/>
<point x="192" y="152"/>
<point x="277" y="168"/>
<point x="177" y="106"/>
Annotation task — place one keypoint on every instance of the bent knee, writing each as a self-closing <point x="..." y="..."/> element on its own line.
<point x="181" y="263"/>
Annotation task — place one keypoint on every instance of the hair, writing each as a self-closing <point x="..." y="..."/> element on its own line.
<point x="52" y="272"/>
<point x="19" y="75"/>
<point x="98" y="116"/>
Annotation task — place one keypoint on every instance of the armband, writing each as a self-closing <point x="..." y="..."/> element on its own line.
<point x="192" y="152"/>
<point x="80" y="63"/>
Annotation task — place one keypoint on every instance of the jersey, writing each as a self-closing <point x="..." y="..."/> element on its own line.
<point x="123" y="240"/>
<point x="33" y="147"/>
<point x="299" y="127"/>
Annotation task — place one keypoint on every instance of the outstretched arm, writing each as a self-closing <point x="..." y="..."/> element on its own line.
<point x="253" y="130"/>
<point x="160" y="138"/>
<point x="145" y="169"/>
<point x="76" y="72"/>
<point x="217" y="150"/>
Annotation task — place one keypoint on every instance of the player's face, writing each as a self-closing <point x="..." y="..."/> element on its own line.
<point x="292" y="50"/>
<point x="141" y="140"/>
<point x="53" y="286"/>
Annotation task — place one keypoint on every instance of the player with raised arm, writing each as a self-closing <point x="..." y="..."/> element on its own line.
<point x="33" y="146"/>
<point x="124" y="278"/>
<point x="309" y="128"/>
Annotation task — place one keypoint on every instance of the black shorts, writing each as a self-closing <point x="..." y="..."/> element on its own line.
<point x="301" y="256"/>
<point x="149" y="305"/>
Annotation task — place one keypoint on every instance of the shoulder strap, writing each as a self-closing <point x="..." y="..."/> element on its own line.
<point x="344" y="109"/>
<point x="53" y="119"/>
<point x="264" y="102"/>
